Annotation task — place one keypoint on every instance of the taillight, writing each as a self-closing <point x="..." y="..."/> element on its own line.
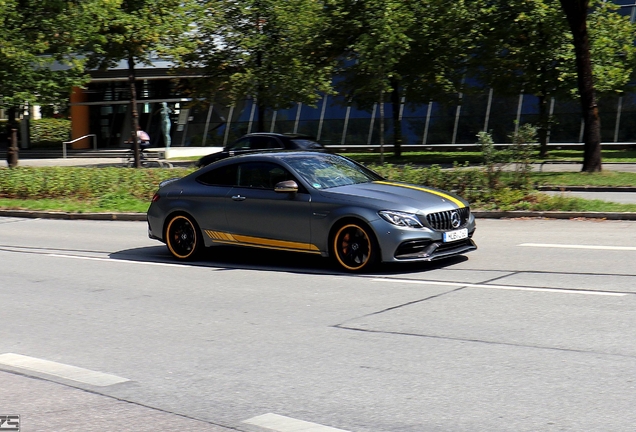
<point x="155" y="197"/>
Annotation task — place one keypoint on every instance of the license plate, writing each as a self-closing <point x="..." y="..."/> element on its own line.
<point x="451" y="236"/>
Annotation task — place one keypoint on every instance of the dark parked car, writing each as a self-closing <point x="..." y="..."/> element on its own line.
<point x="311" y="202"/>
<point x="262" y="141"/>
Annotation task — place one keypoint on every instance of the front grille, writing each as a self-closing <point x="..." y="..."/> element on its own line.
<point x="442" y="221"/>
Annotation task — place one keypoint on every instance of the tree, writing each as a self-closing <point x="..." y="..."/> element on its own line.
<point x="37" y="65"/>
<point x="527" y="47"/>
<point x="382" y="41"/>
<point x="135" y="31"/>
<point x="413" y="49"/>
<point x="576" y="12"/>
<point x="267" y="49"/>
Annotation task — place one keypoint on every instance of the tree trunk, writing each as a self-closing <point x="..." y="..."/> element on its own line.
<point x="12" y="138"/>
<point x="134" y="113"/>
<point x="12" y="121"/>
<point x="576" y="13"/>
<point x="260" y="124"/>
<point x="382" y="127"/>
<point x="544" y="124"/>
<point x="397" y="122"/>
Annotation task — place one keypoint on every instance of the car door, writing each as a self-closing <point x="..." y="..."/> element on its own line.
<point x="209" y="198"/>
<point x="259" y="216"/>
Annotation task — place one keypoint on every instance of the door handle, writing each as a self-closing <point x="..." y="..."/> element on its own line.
<point x="238" y="198"/>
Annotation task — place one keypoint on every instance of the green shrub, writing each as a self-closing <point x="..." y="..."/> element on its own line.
<point x="88" y="183"/>
<point x="49" y="131"/>
<point x="494" y="160"/>
<point x="523" y="151"/>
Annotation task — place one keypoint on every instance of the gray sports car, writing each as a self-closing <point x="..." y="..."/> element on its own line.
<point x="316" y="203"/>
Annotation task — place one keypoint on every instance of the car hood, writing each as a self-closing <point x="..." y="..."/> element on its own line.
<point x="396" y="196"/>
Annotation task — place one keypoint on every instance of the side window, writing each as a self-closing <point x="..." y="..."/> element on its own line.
<point x="242" y="144"/>
<point x="265" y="142"/>
<point x="223" y="176"/>
<point x="273" y="143"/>
<point x="262" y="175"/>
<point x="259" y="142"/>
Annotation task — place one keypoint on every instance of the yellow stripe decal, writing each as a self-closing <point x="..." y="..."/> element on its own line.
<point x="452" y="199"/>
<point x="226" y="238"/>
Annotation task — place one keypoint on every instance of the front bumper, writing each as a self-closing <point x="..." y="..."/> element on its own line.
<point x="399" y="244"/>
<point x="425" y="250"/>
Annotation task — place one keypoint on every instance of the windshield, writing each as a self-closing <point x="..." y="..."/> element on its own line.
<point x="329" y="171"/>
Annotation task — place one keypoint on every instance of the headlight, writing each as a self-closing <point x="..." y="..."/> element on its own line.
<point x="401" y="219"/>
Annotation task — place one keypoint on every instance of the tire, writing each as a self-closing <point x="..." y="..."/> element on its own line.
<point x="183" y="237"/>
<point x="354" y="247"/>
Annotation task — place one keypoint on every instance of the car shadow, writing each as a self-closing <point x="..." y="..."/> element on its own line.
<point x="241" y="258"/>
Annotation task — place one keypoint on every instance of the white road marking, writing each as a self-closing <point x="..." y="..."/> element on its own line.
<point x="565" y="246"/>
<point x="61" y="370"/>
<point x="115" y="260"/>
<point x="281" y="423"/>
<point x="500" y="287"/>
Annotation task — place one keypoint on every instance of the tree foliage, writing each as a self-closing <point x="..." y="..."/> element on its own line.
<point x="413" y="49"/>
<point x="134" y="31"/>
<point x="527" y="47"/>
<point x="266" y="49"/>
<point x="36" y="47"/>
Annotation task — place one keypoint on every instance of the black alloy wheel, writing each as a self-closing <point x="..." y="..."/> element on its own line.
<point x="182" y="237"/>
<point x="354" y="247"/>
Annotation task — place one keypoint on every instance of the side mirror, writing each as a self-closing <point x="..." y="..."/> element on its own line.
<point x="286" y="186"/>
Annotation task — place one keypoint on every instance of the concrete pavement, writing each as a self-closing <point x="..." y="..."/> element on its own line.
<point x="44" y="405"/>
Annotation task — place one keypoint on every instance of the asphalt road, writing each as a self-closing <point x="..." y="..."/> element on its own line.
<point x="535" y="331"/>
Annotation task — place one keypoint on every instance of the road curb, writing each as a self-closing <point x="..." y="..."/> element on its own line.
<point x="553" y="215"/>
<point x="478" y="214"/>
<point x="69" y="215"/>
<point x="587" y="189"/>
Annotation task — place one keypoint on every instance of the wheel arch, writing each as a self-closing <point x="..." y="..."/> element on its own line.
<point x="172" y="215"/>
<point x="199" y="242"/>
<point x="355" y="220"/>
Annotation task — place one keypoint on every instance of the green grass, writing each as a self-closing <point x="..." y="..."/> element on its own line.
<point x="605" y="178"/>
<point x="607" y="155"/>
<point x="419" y="158"/>
<point x="470" y="157"/>
<point x="75" y="205"/>
<point x="530" y="202"/>
<point x="536" y="201"/>
<point x="475" y="157"/>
